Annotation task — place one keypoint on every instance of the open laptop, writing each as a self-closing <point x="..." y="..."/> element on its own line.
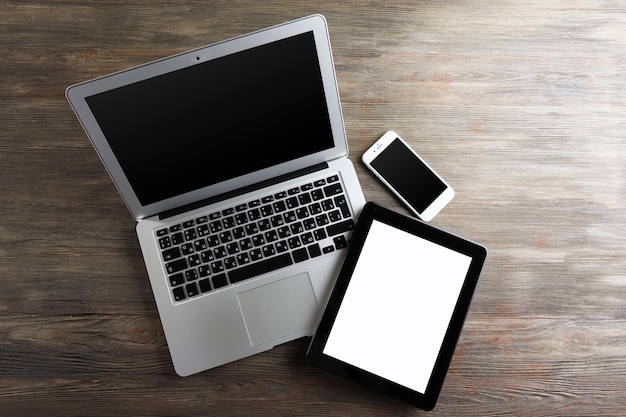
<point x="233" y="160"/>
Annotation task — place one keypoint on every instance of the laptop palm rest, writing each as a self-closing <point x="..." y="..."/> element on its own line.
<point x="279" y="309"/>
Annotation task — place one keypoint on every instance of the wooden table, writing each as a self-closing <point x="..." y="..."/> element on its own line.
<point x="520" y="105"/>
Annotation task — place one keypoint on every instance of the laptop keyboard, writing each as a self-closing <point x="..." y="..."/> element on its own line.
<point x="224" y="247"/>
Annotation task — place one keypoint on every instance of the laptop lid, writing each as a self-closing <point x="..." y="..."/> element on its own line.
<point x="205" y="122"/>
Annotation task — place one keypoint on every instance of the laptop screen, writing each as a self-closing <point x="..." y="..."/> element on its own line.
<point x="217" y="120"/>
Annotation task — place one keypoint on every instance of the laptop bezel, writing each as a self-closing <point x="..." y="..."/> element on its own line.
<point x="77" y="94"/>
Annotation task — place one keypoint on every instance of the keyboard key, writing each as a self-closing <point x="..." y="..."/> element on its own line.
<point x="190" y="234"/>
<point x="213" y="240"/>
<point x="200" y="245"/>
<point x="279" y="206"/>
<point x="252" y="229"/>
<point x="245" y="244"/>
<point x="317" y="195"/>
<point x="217" y="267"/>
<point x="226" y="236"/>
<point x="269" y="250"/>
<point x="267" y="210"/>
<point x="171" y="254"/>
<point x="175" y="266"/>
<point x="294" y="242"/>
<point x="187" y="248"/>
<point x="300" y="255"/>
<point x="219" y="281"/>
<point x="256" y="254"/>
<point x="302" y="212"/>
<point x="282" y="246"/>
<point x="203" y="230"/>
<point x="340" y="242"/>
<point x="254" y="214"/>
<point x="307" y="238"/>
<point x="215" y="226"/>
<point x="264" y="224"/>
<point x="292" y="202"/>
<point x="271" y="236"/>
<point x="262" y="267"/>
<point x="239" y="232"/>
<point x="179" y="294"/>
<point x="344" y="226"/>
<point x="230" y="262"/>
<point x="194" y="260"/>
<point x="314" y="250"/>
<point x="177" y="238"/>
<point x="191" y="275"/>
<point x="309" y="223"/>
<point x="204" y="271"/>
<point x="319" y="234"/>
<point x="340" y="201"/>
<point x="243" y="258"/>
<point x="165" y="242"/>
<point x="283" y="232"/>
<point x="205" y="285"/>
<point x="334" y="216"/>
<point x="321" y="220"/>
<point x="228" y="222"/>
<point x="304" y="199"/>
<point x="333" y="189"/>
<point x="232" y="248"/>
<point x="219" y="252"/>
<point x="177" y="279"/>
<point x="315" y="209"/>
<point x="258" y="240"/>
<point x="192" y="289"/>
<point x="327" y="205"/>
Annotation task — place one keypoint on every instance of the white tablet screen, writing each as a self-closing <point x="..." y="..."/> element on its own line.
<point x="397" y="306"/>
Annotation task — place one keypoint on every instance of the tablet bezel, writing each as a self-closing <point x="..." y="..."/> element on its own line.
<point x="476" y="252"/>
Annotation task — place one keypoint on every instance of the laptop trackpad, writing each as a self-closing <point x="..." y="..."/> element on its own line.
<point x="279" y="309"/>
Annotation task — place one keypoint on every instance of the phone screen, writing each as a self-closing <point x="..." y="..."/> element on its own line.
<point x="408" y="175"/>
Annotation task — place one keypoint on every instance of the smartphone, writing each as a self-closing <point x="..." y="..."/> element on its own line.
<point x="410" y="178"/>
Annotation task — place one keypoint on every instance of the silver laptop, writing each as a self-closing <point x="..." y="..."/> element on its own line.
<point x="233" y="160"/>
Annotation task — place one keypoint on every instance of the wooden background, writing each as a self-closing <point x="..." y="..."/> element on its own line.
<point x="519" y="105"/>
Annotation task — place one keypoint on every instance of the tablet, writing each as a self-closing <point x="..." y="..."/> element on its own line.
<point x="396" y="311"/>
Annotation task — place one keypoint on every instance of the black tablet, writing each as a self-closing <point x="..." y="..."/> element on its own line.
<point x="397" y="309"/>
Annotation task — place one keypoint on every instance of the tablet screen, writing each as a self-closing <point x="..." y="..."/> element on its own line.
<point x="397" y="306"/>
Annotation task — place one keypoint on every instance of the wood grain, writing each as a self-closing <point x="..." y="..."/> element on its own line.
<point x="518" y="105"/>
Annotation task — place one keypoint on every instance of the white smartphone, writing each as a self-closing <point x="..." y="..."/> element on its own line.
<point x="399" y="167"/>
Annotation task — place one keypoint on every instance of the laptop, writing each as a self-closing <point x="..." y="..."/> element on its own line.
<point x="233" y="160"/>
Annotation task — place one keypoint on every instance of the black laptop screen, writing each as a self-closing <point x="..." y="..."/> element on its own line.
<point x="217" y="120"/>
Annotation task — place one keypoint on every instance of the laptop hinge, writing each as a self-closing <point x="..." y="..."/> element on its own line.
<point x="243" y="190"/>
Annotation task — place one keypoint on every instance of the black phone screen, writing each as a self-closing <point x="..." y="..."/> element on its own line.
<point x="408" y="175"/>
